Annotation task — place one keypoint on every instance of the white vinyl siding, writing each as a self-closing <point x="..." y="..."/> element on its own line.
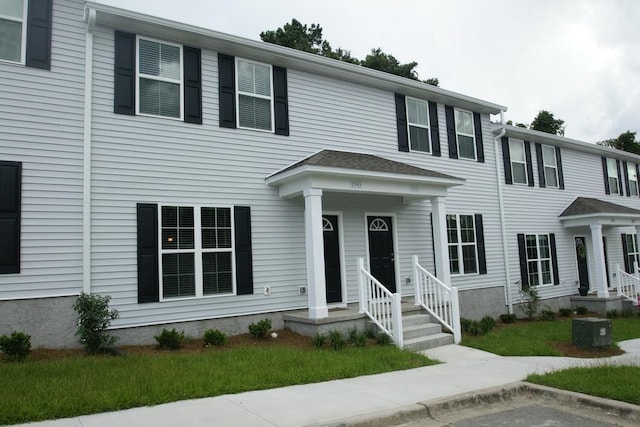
<point x="550" y="166"/>
<point x="465" y="134"/>
<point x="633" y="179"/>
<point x="539" y="267"/>
<point x="159" y="72"/>
<point x="518" y="162"/>
<point x="612" y="176"/>
<point x="255" y="95"/>
<point x="13" y="30"/>
<point x="463" y="251"/>
<point x="418" y="123"/>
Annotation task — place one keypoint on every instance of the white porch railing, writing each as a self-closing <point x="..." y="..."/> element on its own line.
<point x="380" y="305"/>
<point x="440" y="300"/>
<point x="629" y="284"/>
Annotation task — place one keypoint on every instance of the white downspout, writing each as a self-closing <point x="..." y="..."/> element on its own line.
<point x="503" y="227"/>
<point x="90" y="15"/>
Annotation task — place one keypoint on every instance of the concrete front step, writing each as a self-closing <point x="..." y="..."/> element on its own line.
<point x="414" y="319"/>
<point x="420" y="332"/>
<point x="431" y="341"/>
<point x="423" y="330"/>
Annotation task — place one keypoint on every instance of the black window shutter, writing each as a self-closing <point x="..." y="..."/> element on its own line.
<point x="527" y="153"/>
<point x="522" y="252"/>
<point x="148" y="275"/>
<point x="478" y="131"/>
<point x="620" y="185"/>
<point x="192" y="85"/>
<point x="638" y="177"/>
<point x="625" y="173"/>
<point x="560" y="173"/>
<point x="281" y="101"/>
<point x="451" y="132"/>
<point x="506" y="159"/>
<point x="482" y="258"/>
<point x="605" y="172"/>
<point x="554" y="259"/>
<point x="124" y="79"/>
<point x="244" y="264"/>
<point x="625" y="253"/>
<point x="10" y="204"/>
<point x="540" y="160"/>
<point x="227" y="90"/>
<point x="401" y="122"/>
<point x="434" y="128"/>
<point x="38" y="54"/>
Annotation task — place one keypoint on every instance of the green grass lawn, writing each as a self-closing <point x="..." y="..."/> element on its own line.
<point x="534" y="338"/>
<point x="611" y="382"/>
<point x="77" y="385"/>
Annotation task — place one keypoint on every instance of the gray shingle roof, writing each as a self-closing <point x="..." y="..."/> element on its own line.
<point x="364" y="162"/>
<point x="586" y="206"/>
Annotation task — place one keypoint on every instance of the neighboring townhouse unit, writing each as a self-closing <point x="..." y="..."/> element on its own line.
<point x="202" y="179"/>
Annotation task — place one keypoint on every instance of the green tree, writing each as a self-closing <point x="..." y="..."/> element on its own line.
<point x="545" y="122"/>
<point x="625" y="141"/>
<point x="297" y="36"/>
<point x="378" y="60"/>
<point x="517" y="124"/>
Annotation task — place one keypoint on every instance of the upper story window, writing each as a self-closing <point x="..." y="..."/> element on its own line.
<point x="465" y="134"/>
<point x="612" y="176"/>
<point x="418" y="122"/>
<point x="13" y="32"/>
<point x="550" y="166"/>
<point x="633" y="179"/>
<point x="255" y="95"/>
<point x="160" y="79"/>
<point x="518" y="162"/>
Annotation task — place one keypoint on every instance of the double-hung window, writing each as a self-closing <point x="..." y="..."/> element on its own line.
<point x="550" y="166"/>
<point x="631" y="252"/>
<point x="633" y="179"/>
<point x="463" y="252"/>
<point x="255" y="95"/>
<point x="539" y="264"/>
<point x="518" y="162"/>
<point x="465" y="134"/>
<point x="160" y="79"/>
<point x="612" y="176"/>
<point x="196" y="251"/>
<point x="418" y="123"/>
<point x="13" y="30"/>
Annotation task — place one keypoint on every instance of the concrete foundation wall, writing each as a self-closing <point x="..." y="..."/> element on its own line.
<point x="476" y="303"/>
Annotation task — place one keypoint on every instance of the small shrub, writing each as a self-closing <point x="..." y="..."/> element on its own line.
<point x="94" y="318"/>
<point x="581" y="309"/>
<point x="318" y="340"/>
<point x="627" y="313"/>
<point x="508" y="318"/>
<point x="530" y="302"/>
<point x="260" y="329"/>
<point x="487" y="323"/>
<point x="215" y="337"/>
<point x="465" y="324"/>
<point x="336" y="340"/>
<point x="564" y="312"/>
<point x="474" y="328"/>
<point x="612" y="314"/>
<point x="16" y="347"/>
<point x="359" y="340"/>
<point x="370" y="332"/>
<point x="383" y="339"/>
<point x="547" y="314"/>
<point x="170" y="339"/>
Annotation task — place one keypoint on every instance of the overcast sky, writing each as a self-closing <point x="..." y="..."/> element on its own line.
<point x="579" y="59"/>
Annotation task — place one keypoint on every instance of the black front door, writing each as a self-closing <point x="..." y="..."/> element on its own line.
<point x="583" y="265"/>
<point x="332" y="258"/>
<point x="381" y="254"/>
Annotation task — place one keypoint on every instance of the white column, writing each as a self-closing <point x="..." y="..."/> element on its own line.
<point x="440" y="245"/>
<point x="315" y="254"/>
<point x="598" y="253"/>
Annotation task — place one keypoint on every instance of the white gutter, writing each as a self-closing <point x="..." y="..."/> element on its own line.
<point x="503" y="227"/>
<point x="90" y="15"/>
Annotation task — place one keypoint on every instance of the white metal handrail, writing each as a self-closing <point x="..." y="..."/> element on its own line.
<point x="380" y="305"/>
<point x="437" y="298"/>
<point x="628" y="285"/>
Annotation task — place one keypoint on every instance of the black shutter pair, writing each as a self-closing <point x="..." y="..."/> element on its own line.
<point x="451" y="134"/>
<point x="227" y="95"/>
<point x="10" y="204"/>
<point x="148" y="267"/>
<point x="39" y="19"/>
<point x="403" y="129"/>
<point x="540" y="159"/>
<point x="506" y="160"/>
<point x="124" y="79"/>
<point x="522" y="252"/>
<point x="605" y="173"/>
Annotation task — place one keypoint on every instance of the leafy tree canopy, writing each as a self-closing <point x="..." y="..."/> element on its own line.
<point x="625" y="141"/>
<point x="520" y="125"/>
<point x="545" y="122"/>
<point x="309" y="39"/>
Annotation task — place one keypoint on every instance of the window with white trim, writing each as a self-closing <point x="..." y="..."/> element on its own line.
<point x="633" y="179"/>
<point x="539" y="266"/>
<point x="255" y="95"/>
<point x="633" y="255"/>
<point x="612" y="176"/>
<point x="13" y="30"/>
<point x="518" y="162"/>
<point x="418" y="123"/>
<point x="160" y="80"/>
<point x="196" y="251"/>
<point x="550" y="166"/>
<point x="465" y="134"/>
<point x="463" y="251"/>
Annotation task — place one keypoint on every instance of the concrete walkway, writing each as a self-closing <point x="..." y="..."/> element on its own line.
<point x="330" y="403"/>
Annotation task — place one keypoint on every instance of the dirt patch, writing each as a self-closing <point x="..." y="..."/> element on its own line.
<point x="570" y="350"/>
